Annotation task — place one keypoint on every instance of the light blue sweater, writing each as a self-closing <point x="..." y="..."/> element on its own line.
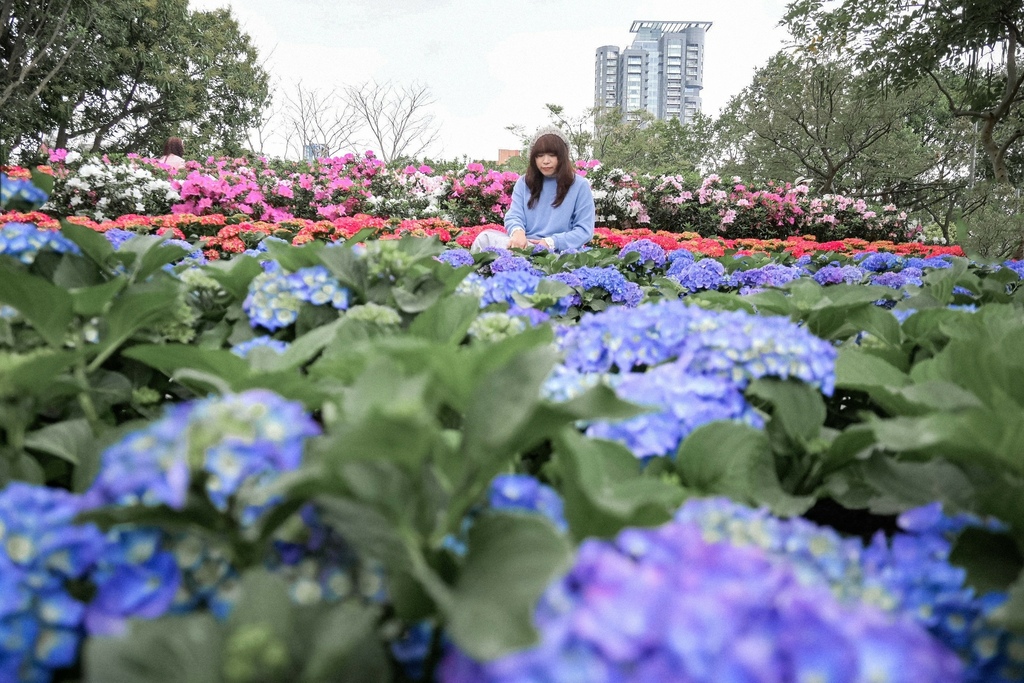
<point x="570" y="225"/>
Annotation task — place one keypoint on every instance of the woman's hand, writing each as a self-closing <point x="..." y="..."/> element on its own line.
<point x="540" y="243"/>
<point x="518" y="240"/>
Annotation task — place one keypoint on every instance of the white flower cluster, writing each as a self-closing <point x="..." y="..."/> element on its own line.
<point x="104" y="191"/>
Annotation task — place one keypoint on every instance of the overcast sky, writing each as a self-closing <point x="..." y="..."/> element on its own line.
<point x="492" y="63"/>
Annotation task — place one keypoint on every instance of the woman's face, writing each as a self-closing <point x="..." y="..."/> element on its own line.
<point x="547" y="163"/>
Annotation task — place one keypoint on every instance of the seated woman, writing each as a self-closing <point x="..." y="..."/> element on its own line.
<point x="173" y="153"/>
<point x="552" y="206"/>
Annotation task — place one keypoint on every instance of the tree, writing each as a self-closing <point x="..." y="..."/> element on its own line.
<point x="396" y="117"/>
<point x="312" y="116"/>
<point x="152" y="69"/>
<point x="37" y="40"/>
<point x="970" y="49"/>
<point x="643" y="144"/>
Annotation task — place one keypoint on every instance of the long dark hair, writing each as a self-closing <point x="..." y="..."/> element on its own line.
<point x="566" y="175"/>
<point x="174" y="146"/>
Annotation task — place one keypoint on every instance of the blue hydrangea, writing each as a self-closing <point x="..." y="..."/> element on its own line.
<point x="732" y="344"/>
<point x="903" y="313"/>
<point x="835" y="274"/>
<point x="271" y="303"/>
<point x="501" y="287"/>
<point x="609" y="279"/>
<point x="24" y="241"/>
<point x="878" y="261"/>
<point x="682" y="401"/>
<point x="509" y="263"/>
<point x="241" y="442"/>
<point x="456" y="258"/>
<point x="317" y="286"/>
<point x="41" y="549"/>
<point x="15" y="191"/>
<point x="706" y="273"/>
<point x="274" y="296"/>
<point x="936" y="262"/>
<point x="524" y="493"/>
<point x="243" y="349"/>
<point x="664" y="604"/>
<point x="898" y="279"/>
<point x="679" y="254"/>
<point x="1015" y="266"/>
<point x="564" y="384"/>
<point x="117" y="236"/>
<point x="651" y="254"/>
<point x="474" y="285"/>
<point x="532" y="316"/>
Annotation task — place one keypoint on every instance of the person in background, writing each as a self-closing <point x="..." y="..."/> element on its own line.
<point x="552" y="207"/>
<point x="174" y="152"/>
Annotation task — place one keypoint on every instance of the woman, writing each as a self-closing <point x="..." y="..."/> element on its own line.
<point x="552" y="206"/>
<point x="173" y="153"/>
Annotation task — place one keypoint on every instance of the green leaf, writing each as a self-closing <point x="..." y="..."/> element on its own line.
<point x="93" y="244"/>
<point x="447" y="320"/>
<point x="604" y="489"/>
<point x="71" y="440"/>
<point x="511" y="560"/>
<point x="93" y="301"/>
<point x="796" y="405"/>
<point x="182" y="649"/>
<point x="294" y="258"/>
<point x="345" y="648"/>
<point x="715" y="458"/>
<point x="369" y="531"/>
<point x="860" y="370"/>
<point x="993" y="560"/>
<point x="234" y="275"/>
<point x="418" y="295"/>
<point x="170" y="358"/>
<point x="44" y="181"/>
<point x="30" y="374"/>
<point x="904" y="485"/>
<point x="136" y="308"/>
<point x="46" y="307"/>
<point x="1011" y="613"/>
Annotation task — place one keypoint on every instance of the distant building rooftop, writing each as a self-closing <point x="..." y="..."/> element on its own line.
<point x="669" y="26"/>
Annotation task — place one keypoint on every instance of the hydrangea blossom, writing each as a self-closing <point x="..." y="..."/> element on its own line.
<point x="835" y="274"/>
<point x="13" y="190"/>
<point x="651" y="254"/>
<point x="663" y="604"/>
<point x="525" y="493"/>
<point x="24" y="241"/>
<point x="509" y="263"/>
<point x="733" y="344"/>
<point x="495" y="326"/>
<point x="274" y="297"/>
<point x="770" y="275"/>
<point x="879" y="261"/>
<point x="609" y="279"/>
<point x="695" y="276"/>
<point x="683" y="401"/>
<point x="456" y="258"/>
<point x="909" y="574"/>
<point x="500" y="287"/>
<point x="242" y="442"/>
<point x="243" y="349"/>
<point x="898" y="279"/>
<point x="42" y="549"/>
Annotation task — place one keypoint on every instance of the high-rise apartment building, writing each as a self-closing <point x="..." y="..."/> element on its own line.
<point x="662" y="71"/>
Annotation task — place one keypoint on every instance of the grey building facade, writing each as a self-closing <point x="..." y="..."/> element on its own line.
<point x="662" y="71"/>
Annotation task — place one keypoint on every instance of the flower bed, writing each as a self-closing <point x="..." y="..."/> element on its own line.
<point x="324" y="456"/>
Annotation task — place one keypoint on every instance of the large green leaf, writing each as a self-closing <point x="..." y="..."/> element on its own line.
<point x="71" y="440"/>
<point x="856" y="369"/>
<point x="31" y="373"/>
<point x="234" y="275"/>
<point x="92" y="243"/>
<point x="182" y="649"/>
<point x="447" y="320"/>
<point x="170" y="358"/>
<point x="92" y="301"/>
<point x="796" y="405"/>
<point x="137" y="307"/>
<point x="46" y="307"/>
<point x="511" y="560"/>
<point x="993" y="560"/>
<point x="604" y="489"/>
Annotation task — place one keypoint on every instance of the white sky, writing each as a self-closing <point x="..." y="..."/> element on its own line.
<point x="492" y="63"/>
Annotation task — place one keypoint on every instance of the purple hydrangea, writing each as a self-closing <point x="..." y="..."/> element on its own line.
<point x="651" y="254"/>
<point x="500" y="287"/>
<point x="241" y="442"/>
<point x="24" y="241"/>
<point x="834" y="275"/>
<point x="611" y="280"/>
<point x="936" y="262"/>
<point x="898" y="279"/>
<point x="706" y="273"/>
<point x="456" y="258"/>
<point x="664" y="604"/>
<point x="770" y="275"/>
<point x="908" y="575"/>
